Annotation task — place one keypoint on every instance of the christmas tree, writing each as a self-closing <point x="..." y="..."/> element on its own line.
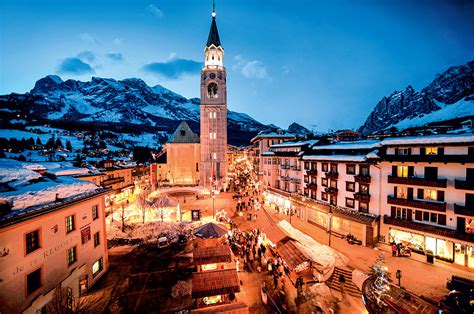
<point x="381" y="279"/>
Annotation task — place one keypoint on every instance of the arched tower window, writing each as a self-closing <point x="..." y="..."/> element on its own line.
<point x="212" y="90"/>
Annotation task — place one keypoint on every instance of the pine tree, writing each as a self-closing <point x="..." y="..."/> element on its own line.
<point x="50" y="143"/>
<point x="381" y="279"/>
<point x="69" y="146"/>
<point x="58" y="143"/>
<point x="38" y="141"/>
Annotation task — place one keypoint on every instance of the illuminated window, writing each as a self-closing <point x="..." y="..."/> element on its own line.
<point x="97" y="267"/>
<point x="96" y="239"/>
<point x="214" y="155"/>
<point x="32" y="241"/>
<point x="212" y="135"/>
<point x="402" y="171"/>
<point x="431" y="150"/>
<point x="402" y="192"/>
<point x="70" y="224"/>
<point x="430" y="195"/>
<point x="71" y="256"/>
<point x="95" y="212"/>
<point x="212" y="300"/>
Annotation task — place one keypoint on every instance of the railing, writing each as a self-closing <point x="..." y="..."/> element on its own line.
<point x="332" y="175"/>
<point x="362" y="196"/>
<point x="295" y="180"/>
<point x="331" y="190"/>
<point x="439" y="183"/>
<point x="312" y="186"/>
<point x="112" y="181"/>
<point x="440" y="207"/>
<point x="463" y="210"/>
<point x="285" y="178"/>
<point x="449" y="233"/>
<point x="295" y="168"/>
<point x="464" y="185"/>
<point x="312" y="172"/>
<point x="283" y="166"/>
<point x="362" y="178"/>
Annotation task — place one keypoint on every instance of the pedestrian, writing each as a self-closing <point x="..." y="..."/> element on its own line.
<point x="275" y="281"/>
<point x="399" y="246"/>
<point x="394" y="249"/>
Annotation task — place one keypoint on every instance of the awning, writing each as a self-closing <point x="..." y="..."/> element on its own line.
<point x="212" y="254"/>
<point x="215" y="282"/>
<point x="291" y="254"/>
<point x="275" y="234"/>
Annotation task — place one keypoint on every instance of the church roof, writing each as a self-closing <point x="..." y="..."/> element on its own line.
<point x="213" y="38"/>
<point x="184" y="134"/>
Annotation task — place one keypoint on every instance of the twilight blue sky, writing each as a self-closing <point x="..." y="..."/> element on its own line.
<point x="324" y="64"/>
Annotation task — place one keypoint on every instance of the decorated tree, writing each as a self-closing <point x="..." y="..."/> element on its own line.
<point x="381" y="276"/>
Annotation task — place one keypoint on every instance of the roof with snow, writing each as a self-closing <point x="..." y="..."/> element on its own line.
<point x="184" y="134"/>
<point x="431" y="139"/>
<point x="210" y="230"/>
<point x="28" y="192"/>
<point x="345" y="158"/>
<point x="273" y="134"/>
<point x="365" y="144"/>
<point x="295" y="144"/>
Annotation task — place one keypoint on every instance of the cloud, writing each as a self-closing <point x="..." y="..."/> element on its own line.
<point x="88" y="38"/>
<point x="118" y="41"/>
<point x="87" y="56"/>
<point x="155" y="11"/>
<point x="250" y="68"/>
<point x="115" y="56"/>
<point x="75" y="66"/>
<point x="174" y="68"/>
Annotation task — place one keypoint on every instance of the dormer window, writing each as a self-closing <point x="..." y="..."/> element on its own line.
<point x="431" y="150"/>
<point x="183" y="132"/>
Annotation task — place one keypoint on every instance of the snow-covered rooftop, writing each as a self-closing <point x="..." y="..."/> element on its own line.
<point x="365" y="144"/>
<point x="27" y="189"/>
<point x="273" y="134"/>
<point x="430" y="139"/>
<point x="295" y="143"/>
<point x="351" y="158"/>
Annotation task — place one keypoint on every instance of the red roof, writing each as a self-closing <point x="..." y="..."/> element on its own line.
<point x="215" y="282"/>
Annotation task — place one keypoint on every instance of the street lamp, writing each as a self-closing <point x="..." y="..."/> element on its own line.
<point x="399" y="277"/>
<point x="330" y="223"/>
<point x="213" y="209"/>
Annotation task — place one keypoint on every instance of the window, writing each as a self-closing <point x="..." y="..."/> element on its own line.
<point x="426" y="216"/>
<point x="33" y="281"/>
<point x="431" y="150"/>
<point x="349" y="202"/>
<point x="324" y="182"/>
<point x="324" y="196"/>
<point x="364" y="170"/>
<point x="97" y="267"/>
<point x="350" y="186"/>
<point x="212" y="135"/>
<point x="333" y="183"/>
<point x="96" y="239"/>
<point x="431" y="195"/>
<point x="70" y="224"/>
<point x="333" y="167"/>
<point x="402" y="151"/>
<point x="402" y="213"/>
<point x="32" y="241"/>
<point x="212" y="90"/>
<point x="431" y="173"/>
<point x="212" y="115"/>
<point x="85" y="234"/>
<point x="71" y="256"/>
<point x="214" y="155"/>
<point x="401" y="192"/>
<point x="324" y="167"/>
<point x="363" y="207"/>
<point x="350" y="169"/>
<point x="402" y="171"/>
<point x="364" y="188"/>
<point x="95" y="212"/>
<point x="333" y="200"/>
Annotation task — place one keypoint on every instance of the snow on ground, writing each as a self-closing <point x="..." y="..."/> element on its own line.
<point x="76" y="143"/>
<point x="63" y="168"/>
<point x="41" y="193"/>
<point x="150" y="231"/>
<point x="320" y="253"/>
<point x="354" y="158"/>
<point x="144" y="139"/>
<point x="460" y="109"/>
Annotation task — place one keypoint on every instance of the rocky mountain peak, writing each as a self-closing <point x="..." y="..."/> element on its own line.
<point x="298" y="129"/>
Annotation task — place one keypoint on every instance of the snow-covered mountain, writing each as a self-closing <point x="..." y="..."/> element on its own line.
<point x="109" y="101"/>
<point x="298" y="129"/>
<point x="449" y="96"/>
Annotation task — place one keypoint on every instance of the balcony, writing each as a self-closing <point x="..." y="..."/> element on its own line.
<point x="295" y="180"/>
<point x="430" y="158"/>
<point x="437" y="183"/>
<point x="312" y="186"/>
<point x="464" y="185"/>
<point x="436" y="206"/>
<point x="283" y="166"/>
<point x="463" y="210"/>
<point x="331" y="190"/>
<point x="362" y="178"/>
<point x="449" y="233"/>
<point x="305" y="179"/>
<point x="362" y="197"/>
<point x="333" y="175"/>
<point x="295" y="168"/>
<point x="284" y="178"/>
<point x="112" y="181"/>
<point x="312" y="172"/>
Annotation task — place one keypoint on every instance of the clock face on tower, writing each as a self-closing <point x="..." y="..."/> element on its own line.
<point x="212" y="90"/>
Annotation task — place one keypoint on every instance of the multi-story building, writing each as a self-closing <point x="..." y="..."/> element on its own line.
<point x="263" y="141"/>
<point x="427" y="199"/>
<point x="52" y="235"/>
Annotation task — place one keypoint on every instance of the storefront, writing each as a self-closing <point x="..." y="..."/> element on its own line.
<point x="317" y="217"/>
<point x="281" y="204"/>
<point x="443" y="249"/>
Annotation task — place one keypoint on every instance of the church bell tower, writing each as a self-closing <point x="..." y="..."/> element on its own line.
<point x="213" y="110"/>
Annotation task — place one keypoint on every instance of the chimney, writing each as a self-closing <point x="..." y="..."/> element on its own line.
<point x="57" y="197"/>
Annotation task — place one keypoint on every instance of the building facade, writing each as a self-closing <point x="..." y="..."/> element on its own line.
<point x="213" y="113"/>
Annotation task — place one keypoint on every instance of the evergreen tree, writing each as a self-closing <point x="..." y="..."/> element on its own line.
<point x="69" y="146"/>
<point x="381" y="276"/>
<point x="38" y="141"/>
<point x="58" y="143"/>
<point x="50" y="143"/>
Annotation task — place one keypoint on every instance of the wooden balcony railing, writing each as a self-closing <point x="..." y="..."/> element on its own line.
<point x="312" y="172"/>
<point x="438" y="183"/>
<point x="362" y="197"/>
<point x="331" y="190"/>
<point x="463" y="210"/>
<point x="464" y="185"/>
<point x="449" y="233"/>
<point x="436" y="206"/>
<point x="333" y="175"/>
<point x="362" y="178"/>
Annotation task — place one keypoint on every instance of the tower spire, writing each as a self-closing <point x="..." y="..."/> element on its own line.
<point x="213" y="38"/>
<point x="213" y="9"/>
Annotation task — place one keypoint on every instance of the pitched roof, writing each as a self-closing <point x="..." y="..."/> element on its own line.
<point x="210" y="230"/>
<point x="184" y="134"/>
<point x="212" y="254"/>
<point x="213" y="38"/>
<point x="215" y="282"/>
